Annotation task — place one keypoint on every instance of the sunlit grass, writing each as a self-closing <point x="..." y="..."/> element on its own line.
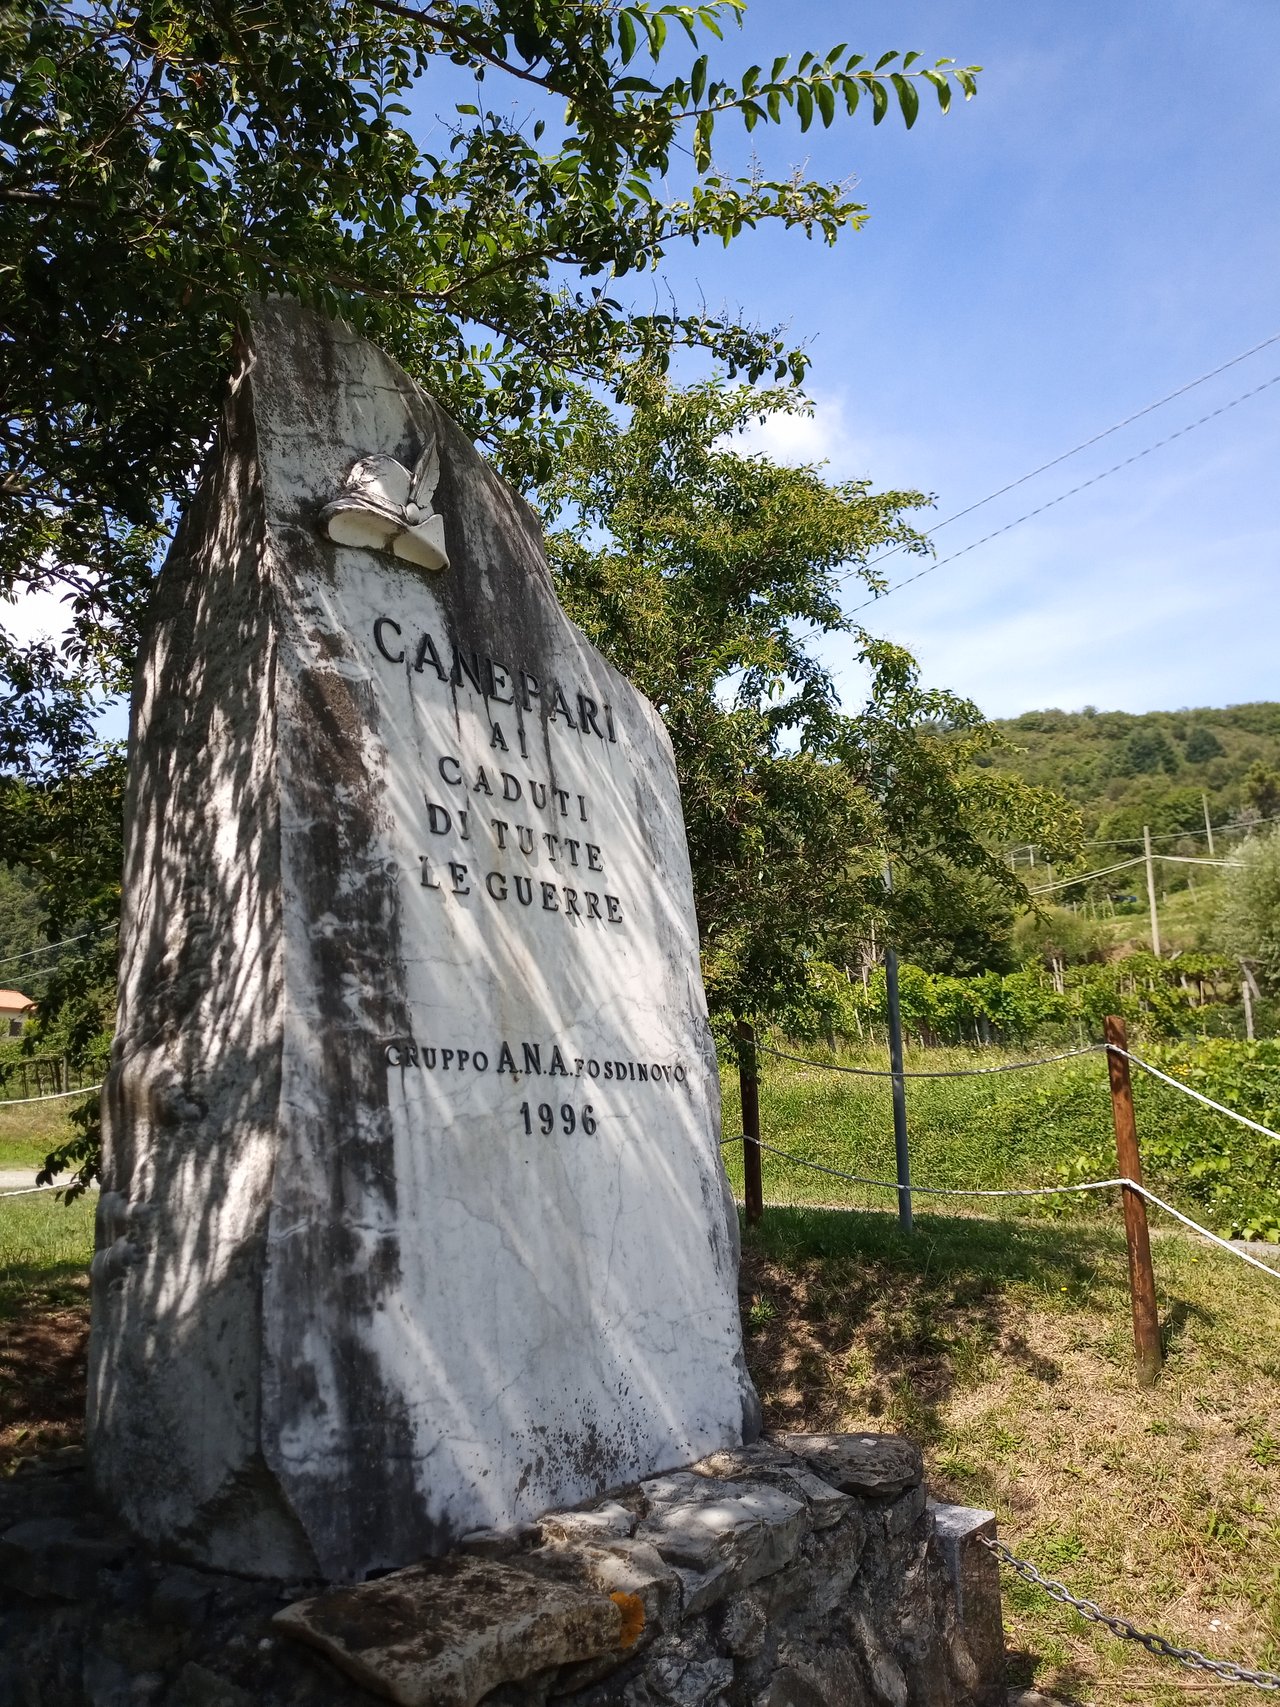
<point x="1005" y="1348"/>
<point x="992" y="1132"/>
<point x="45" y="1246"/>
<point x="28" y="1131"/>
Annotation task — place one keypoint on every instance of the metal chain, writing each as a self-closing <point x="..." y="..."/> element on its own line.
<point x="1121" y="1627"/>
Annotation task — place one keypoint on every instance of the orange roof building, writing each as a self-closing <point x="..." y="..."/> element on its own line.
<point x="15" y="1010"/>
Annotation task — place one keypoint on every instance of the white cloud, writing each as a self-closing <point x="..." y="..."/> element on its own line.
<point x="34" y="616"/>
<point x="826" y="435"/>
<point x="1130" y="618"/>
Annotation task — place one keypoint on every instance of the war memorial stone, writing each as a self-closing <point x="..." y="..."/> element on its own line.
<point x="413" y="1219"/>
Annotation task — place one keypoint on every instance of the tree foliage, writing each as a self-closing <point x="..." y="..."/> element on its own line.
<point x="706" y="572"/>
<point x="1249" y="912"/>
<point x="161" y="160"/>
<point x="1088" y="756"/>
<point x="1262" y="789"/>
<point x="21" y="936"/>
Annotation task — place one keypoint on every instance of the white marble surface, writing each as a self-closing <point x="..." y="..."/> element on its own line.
<point x="481" y="927"/>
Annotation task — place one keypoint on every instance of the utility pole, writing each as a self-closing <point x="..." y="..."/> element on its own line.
<point x="1151" y="892"/>
<point x="1248" y="990"/>
<point x="901" y="1149"/>
<point x="1208" y="827"/>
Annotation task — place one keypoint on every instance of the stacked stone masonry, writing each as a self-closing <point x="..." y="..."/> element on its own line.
<point x="802" y="1571"/>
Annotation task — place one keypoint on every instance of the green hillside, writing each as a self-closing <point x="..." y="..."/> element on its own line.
<point x="1125" y="770"/>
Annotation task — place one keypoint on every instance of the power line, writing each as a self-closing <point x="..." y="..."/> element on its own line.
<point x="53" y="947"/>
<point x="1124" y="865"/>
<point x="1085" y="444"/>
<point x="1180" y="835"/>
<point x="1060" y="499"/>
<point x="1087" y="876"/>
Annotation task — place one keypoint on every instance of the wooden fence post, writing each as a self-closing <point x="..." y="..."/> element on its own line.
<point x="749" y="1084"/>
<point x="1142" y="1280"/>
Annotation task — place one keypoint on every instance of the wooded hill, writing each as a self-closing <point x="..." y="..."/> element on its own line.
<point x="1125" y="770"/>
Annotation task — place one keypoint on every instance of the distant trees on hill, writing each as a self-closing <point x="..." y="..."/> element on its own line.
<point x="1125" y="769"/>
<point x="1202" y="745"/>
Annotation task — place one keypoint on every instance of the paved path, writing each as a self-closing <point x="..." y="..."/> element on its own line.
<point x="21" y="1179"/>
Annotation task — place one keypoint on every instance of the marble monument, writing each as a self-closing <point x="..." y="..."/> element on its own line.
<point x="413" y="1217"/>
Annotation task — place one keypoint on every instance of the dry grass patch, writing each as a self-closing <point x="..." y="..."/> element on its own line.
<point x="1005" y="1348"/>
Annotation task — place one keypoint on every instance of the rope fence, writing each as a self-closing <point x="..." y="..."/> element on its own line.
<point x="51" y="1096"/>
<point x="1218" y="1107"/>
<point x="1013" y="1191"/>
<point x="1146" y="1324"/>
<point x="1128" y="1180"/>
<point x="932" y="1073"/>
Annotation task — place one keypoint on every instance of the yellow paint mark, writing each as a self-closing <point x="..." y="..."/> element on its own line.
<point x="632" y="1609"/>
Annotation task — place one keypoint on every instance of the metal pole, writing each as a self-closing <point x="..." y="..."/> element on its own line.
<point x="902" y="1151"/>
<point x="1208" y="827"/>
<point x="1151" y="892"/>
<point x="1142" y="1280"/>
<point x="749" y="1085"/>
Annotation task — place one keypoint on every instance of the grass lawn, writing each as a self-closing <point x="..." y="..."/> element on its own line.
<point x="28" y="1131"/>
<point x="1000" y="1130"/>
<point x="1005" y="1348"/>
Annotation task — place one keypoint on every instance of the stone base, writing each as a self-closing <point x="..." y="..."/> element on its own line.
<point x="806" y="1571"/>
<point x="803" y="1571"/>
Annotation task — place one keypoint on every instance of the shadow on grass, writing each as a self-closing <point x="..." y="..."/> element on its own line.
<point x="30" y="1288"/>
<point x="1022" y="1667"/>
<point x="1175" y="1320"/>
<point x="982" y="1247"/>
<point x="44" y="1310"/>
<point x="848" y="1316"/>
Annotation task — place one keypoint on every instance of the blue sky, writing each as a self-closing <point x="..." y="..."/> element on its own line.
<point x="1096" y="228"/>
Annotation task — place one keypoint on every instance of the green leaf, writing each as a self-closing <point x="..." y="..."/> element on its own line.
<point x="879" y="99"/>
<point x="941" y="84"/>
<point x="626" y="36"/>
<point x="698" y="78"/>
<point x="908" y="97"/>
<point x="886" y="59"/>
<point x="825" y="96"/>
<point x="804" y="105"/>
<point x="702" y="141"/>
